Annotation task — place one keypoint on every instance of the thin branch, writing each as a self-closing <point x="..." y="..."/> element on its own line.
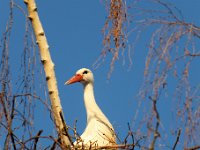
<point x="130" y="133"/>
<point x="177" y="139"/>
<point x="122" y="146"/>
<point x="65" y="128"/>
<point x="37" y="138"/>
<point x="156" y="133"/>
<point x="193" y="148"/>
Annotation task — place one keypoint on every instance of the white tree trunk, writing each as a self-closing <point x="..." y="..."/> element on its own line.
<point x="50" y="74"/>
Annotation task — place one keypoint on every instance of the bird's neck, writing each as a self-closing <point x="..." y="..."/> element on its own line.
<point x="92" y="109"/>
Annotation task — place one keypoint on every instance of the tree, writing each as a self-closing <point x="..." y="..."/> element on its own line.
<point x="171" y="58"/>
<point x="9" y="109"/>
<point x="172" y="52"/>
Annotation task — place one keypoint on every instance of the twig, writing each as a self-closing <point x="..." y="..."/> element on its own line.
<point x="193" y="148"/>
<point x="56" y="142"/>
<point x="177" y="139"/>
<point x="65" y="128"/>
<point x="76" y="135"/>
<point x="131" y="133"/>
<point x="156" y="133"/>
<point x="35" y="97"/>
<point x="122" y="146"/>
<point x="37" y="138"/>
<point x="9" y="121"/>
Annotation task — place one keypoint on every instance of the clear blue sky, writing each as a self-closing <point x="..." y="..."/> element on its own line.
<point x="73" y="30"/>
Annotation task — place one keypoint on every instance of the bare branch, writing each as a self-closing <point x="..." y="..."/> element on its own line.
<point x="37" y="138"/>
<point x="177" y="139"/>
<point x="49" y="71"/>
<point x="193" y="148"/>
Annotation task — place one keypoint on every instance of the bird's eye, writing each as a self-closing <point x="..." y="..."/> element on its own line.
<point x="85" y="72"/>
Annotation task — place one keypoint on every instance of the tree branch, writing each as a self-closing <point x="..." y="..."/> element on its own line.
<point x="177" y="139"/>
<point x="193" y="148"/>
<point x="37" y="138"/>
<point x="49" y="71"/>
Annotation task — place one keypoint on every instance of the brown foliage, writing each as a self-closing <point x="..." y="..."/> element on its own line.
<point x="114" y="32"/>
<point x="170" y="61"/>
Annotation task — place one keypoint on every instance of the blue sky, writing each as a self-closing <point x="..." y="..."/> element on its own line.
<point x="73" y="30"/>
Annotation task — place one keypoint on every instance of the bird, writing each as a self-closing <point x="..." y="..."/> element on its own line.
<point x="99" y="131"/>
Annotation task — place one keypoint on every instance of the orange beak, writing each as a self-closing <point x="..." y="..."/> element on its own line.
<point x="75" y="78"/>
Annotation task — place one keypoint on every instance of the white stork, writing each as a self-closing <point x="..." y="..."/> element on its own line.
<point x="99" y="131"/>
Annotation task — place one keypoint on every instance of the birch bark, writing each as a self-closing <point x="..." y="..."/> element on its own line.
<point x="41" y="40"/>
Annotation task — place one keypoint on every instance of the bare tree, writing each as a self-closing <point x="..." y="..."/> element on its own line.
<point x="9" y="100"/>
<point x="172" y="56"/>
<point x="19" y="108"/>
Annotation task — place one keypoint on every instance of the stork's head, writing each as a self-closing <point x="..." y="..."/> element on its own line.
<point x="83" y="75"/>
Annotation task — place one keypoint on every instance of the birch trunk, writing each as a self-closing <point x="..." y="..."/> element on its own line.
<point x="63" y="136"/>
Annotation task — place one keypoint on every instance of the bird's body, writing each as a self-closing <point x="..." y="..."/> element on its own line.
<point x="99" y="131"/>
